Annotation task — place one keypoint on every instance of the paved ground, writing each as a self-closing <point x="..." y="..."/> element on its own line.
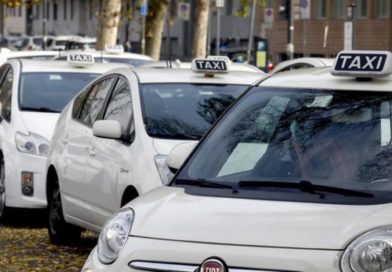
<point x="25" y="246"/>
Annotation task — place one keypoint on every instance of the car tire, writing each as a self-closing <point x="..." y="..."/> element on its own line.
<point x="3" y="210"/>
<point x="60" y="232"/>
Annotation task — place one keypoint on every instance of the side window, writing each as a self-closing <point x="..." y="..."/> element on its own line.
<point x="6" y="95"/>
<point x="3" y="69"/>
<point x="385" y="112"/>
<point x="95" y="100"/>
<point x="78" y="103"/>
<point x="120" y="105"/>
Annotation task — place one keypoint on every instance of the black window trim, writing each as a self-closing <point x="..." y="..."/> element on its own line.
<point x="2" y="79"/>
<point x="89" y="88"/>
<point x="129" y="137"/>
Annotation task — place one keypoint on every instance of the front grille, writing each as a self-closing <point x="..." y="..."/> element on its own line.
<point x="174" y="267"/>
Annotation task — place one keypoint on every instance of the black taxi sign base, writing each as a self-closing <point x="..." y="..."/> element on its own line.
<point x="364" y="64"/>
<point x="210" y="66"/>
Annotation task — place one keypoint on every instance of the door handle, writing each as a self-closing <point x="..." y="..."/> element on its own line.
<point x="123" y="170"/>
<point x="65" y="139"/>
<point x="91" y="151"/>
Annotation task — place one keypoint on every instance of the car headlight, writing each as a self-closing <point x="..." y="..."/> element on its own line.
<point x="371" y="252"/>
<point x="114" y="235"/>
<point x="32" y="143"/>
<point x="163" y="169"/>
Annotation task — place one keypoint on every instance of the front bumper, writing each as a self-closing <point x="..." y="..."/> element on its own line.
<point x="17" y="163"/>
<point x="140" y="252"/>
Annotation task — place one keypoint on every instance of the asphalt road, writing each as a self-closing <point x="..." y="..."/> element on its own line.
<point x="25" y="245"/>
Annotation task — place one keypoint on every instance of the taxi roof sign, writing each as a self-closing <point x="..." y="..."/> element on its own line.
<point x="114" y="49"/>
<point x="80" y="59"/>
<point x="211" y="65"/>
<point x="363" y="64"/>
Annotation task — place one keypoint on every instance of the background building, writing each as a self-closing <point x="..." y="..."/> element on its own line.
<point x="322" y="34"/>
<point x="319" y="33"/>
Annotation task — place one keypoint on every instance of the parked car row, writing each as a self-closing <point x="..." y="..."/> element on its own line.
<point x="295" y="176"/>
<point x="128" y="133"/>
<point x="111" y="54"/>
<point x="205" y="167"/>
<point x="49" y="42"/>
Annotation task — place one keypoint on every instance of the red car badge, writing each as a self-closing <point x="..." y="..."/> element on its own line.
<point x="212" y="265"/>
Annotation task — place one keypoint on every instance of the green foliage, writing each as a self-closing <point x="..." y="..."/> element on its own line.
<point x="245" y="6"/>
<point x="19" y="3"/>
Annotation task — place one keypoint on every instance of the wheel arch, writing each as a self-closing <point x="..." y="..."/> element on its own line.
<point x="129" y="194"/>
<point x="50" y="181"/>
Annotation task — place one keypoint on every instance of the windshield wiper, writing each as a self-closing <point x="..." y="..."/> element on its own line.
<point x="205" y="183"/>
<point x="179" y="136"/>
<point x="41" y="109"/>
<point x="304" y="186"/>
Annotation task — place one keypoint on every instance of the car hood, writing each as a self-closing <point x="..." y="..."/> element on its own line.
<point x="164" y="146"/>
<point x="170" y="213"/>
<point x="41" y="123"/>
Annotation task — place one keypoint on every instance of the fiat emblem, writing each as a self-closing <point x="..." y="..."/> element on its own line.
<point x="212" y="265"/>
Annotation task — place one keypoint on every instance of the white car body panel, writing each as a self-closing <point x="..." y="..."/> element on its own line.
<point x="192" y="218"/>
<point x="120" y="57"/>
<point x="33" y="122"/>
<point x="301" y="63"/>
<point x="172" y="227"/>
<point x="163" y="146"/>
<point x="248" y="258"/>
<point x="26" y="54"/>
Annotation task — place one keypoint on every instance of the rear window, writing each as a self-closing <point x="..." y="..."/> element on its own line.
<point x="50" y="92"/>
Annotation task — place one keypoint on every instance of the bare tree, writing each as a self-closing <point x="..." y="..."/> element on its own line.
<point x="109" y="19"/>
<point x="199" y="42"/>
<point x="154" y="26"/>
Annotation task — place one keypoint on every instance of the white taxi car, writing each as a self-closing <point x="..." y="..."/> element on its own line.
<point x="114" y="53"/>
<point x="111" y="142"/>
<point x="32" y="55"/>
<point x="32" y="95"/>
<point x="296" y="176"/>
<point x="302" y="63"/>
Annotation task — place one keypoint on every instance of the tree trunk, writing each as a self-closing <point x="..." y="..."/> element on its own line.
<point x="109" y="19"/>
<point x="199" y="40"/>
<point x="154" y="27"/>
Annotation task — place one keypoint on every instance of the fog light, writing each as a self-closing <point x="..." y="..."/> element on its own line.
<point x="28" y="183"/>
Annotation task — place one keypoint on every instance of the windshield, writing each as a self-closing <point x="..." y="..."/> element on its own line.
<point x="38" y="41"/>
<point x="326" y="138"/>
<point x="50" y="92"/>
<point x="61" y="42"/>
<point x="21" y="43"/>
<point x="184" y="110"/>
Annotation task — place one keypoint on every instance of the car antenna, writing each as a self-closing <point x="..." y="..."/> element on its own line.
<point x="168" y="39"/>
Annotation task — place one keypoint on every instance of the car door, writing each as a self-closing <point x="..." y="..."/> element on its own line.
<point x="7" y="130"/>
<point x="110" y="161"/>
<point x="77" y="147"/>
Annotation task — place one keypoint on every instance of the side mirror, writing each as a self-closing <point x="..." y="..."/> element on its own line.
<point x="107" y="129"/>
<point x="179" y="154"/>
